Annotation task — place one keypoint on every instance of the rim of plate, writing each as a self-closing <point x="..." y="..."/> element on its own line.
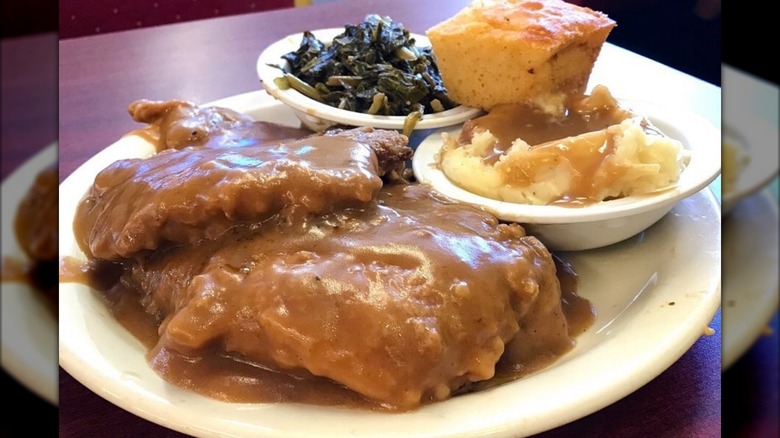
<point x="21" y="356"/>
<point x="267" y="73"/>
<point x="697" y="135"/>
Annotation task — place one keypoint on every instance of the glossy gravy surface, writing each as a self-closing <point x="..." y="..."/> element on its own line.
<point x="180" y="196"/>
<point x="579" y="143"/>
<point x="177" y="124"/>
<point x="393" y="298"/>
<point x="340" y="278"/>
<point x="510" y="122"/>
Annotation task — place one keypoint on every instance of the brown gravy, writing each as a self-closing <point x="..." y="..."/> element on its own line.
<point x="384" y="302"/>
<point x="510" y="122"/>
<point x="577" y="140"/>
<point x="211" y="371"/>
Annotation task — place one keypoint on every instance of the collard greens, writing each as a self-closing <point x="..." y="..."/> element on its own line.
<point x="373" y="67"/>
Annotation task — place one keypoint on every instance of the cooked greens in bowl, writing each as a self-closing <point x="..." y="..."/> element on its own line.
<point x="373" y="67"/>
<point x="375" y="73"/>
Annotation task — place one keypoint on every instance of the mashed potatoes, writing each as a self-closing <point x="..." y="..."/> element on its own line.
<point x="598" y="151"/>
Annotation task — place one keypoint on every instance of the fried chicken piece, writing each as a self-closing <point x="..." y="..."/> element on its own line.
<point x="181" y="196"/>
<point x="402" y="300"/>
<point x="176" y="124"/>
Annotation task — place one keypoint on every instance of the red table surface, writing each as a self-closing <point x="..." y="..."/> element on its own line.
<point x="206" y="60"/>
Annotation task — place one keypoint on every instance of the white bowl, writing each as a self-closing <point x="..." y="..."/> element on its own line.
<point x="318" y="116"/>
<point x="602" y="223"/>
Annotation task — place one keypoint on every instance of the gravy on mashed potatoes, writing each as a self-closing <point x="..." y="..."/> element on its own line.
<point x="595" y="151"/>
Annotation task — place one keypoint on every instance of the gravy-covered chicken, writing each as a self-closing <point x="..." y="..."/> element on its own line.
<point x="183" y="195"/>
<point x="307" y="270"/>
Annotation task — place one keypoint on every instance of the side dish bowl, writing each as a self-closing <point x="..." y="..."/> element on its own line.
<point x="319" y="116"/>
<point x="602" y="223"/>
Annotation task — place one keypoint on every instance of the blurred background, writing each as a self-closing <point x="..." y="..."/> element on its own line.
<point x="643" y="25"/>
<point x="28" y="124"/>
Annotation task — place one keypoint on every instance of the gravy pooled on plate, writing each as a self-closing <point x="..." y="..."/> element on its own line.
<point x="307" y="270"/>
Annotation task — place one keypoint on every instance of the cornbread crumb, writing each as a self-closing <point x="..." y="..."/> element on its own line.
<point x="518" y="51"/>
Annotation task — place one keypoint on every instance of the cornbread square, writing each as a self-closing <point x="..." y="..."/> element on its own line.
<point x="535" y="52"/>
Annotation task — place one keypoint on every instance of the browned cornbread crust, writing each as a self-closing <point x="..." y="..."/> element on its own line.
<point x="519" y="51"/>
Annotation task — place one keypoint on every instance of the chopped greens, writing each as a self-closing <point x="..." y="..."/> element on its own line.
<point x="373" y="67"/>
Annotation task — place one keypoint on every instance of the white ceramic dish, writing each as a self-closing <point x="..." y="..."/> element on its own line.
<point x="604" y="223"/>
<point x="655" y="295"/>
<point x="750" y="116"/>
<point x="319" y="116"/>
<point x="750" y="272"/>
<point x="29" y="327"/>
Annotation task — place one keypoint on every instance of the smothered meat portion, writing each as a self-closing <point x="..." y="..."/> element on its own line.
<point x="403" y="299"/>
<point x="176" y="124"/>
<point x="298" y="271"/>
<point x="183" y="195"/>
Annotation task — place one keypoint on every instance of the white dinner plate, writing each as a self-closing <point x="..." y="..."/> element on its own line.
<point x="750" y="118"/>
<point x="750" y="272"/>
<point x="655" y="295"/>
<point x="29" y="327"/>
